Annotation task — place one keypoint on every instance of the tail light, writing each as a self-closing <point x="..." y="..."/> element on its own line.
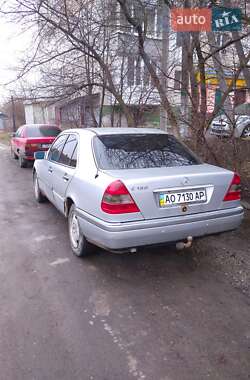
<point x="31" y="146"/>
<point x="117" y="199"/>
<point x="234" y="191"/>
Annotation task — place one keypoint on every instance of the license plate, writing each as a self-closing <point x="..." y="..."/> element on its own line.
<point x="47" y="146"/>
<point x="179" y="197"/>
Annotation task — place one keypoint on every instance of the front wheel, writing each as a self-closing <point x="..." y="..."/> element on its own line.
<point x="79" y="245"/>
<point x="246" y="132"/>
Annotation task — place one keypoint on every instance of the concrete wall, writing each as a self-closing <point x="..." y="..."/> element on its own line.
<point x="39" y="113"/>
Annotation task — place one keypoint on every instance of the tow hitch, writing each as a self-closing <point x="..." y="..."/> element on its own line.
<point x="182" y="244"/>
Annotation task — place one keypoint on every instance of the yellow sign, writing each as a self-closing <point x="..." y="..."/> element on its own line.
<point x="212" y="79"/>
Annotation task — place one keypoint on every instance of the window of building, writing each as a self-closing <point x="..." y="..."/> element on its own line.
<point x="136" y="10"/>
<point x="158" y="22"/>
<point x="177" y="79"/>
<point x="137" y="72"/>
<point x="138" y="69"/>
<point x="131" y="71"/>
<point x="124" y="24"/>
<point x="221" y="40"/>
<point x="151" y="21"/>
<point x="146" y="76"/>
<point x="240" y="95"/>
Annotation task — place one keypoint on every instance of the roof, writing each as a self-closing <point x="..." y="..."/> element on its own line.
<point x="39" y="125"/>
<point x="110" y="131"/>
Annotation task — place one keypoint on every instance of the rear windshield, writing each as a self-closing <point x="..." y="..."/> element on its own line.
<point x="140" y="151"/>
<point x="42" y="131"/>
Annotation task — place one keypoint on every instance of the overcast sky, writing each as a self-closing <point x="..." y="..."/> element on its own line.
<point x="13" y="45"/>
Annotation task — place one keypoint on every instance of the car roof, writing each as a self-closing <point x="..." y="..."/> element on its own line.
<point x="40" y="125"/>
<point x="114" y="131"/>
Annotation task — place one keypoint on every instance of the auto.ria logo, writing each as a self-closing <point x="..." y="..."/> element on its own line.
<point x="206" y="19"/>
<point x="226" y="19"/>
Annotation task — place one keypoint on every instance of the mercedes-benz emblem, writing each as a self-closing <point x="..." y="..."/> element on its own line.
<point x="185" y="181"/>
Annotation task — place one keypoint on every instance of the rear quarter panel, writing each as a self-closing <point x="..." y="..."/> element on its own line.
<point x="88" y="185"/>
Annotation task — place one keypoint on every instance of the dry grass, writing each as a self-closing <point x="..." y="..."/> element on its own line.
<point x="5" y="137"/>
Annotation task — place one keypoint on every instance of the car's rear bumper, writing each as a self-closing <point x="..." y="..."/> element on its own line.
<point x="119" y="236"/>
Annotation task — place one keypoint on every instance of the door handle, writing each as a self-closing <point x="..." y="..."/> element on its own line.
<point x="50" y="170"/>
<point x="65" y="177"/>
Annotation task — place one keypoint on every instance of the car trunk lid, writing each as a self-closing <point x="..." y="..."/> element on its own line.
<point x="149" y="187"/>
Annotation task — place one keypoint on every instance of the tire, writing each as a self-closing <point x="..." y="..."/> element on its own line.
<point x="246" y="132"/>
<point x="22" y="162"/>
<point x="79" y="245"/>
<point x="40" y="198"/>
<point x="13" y="154"/>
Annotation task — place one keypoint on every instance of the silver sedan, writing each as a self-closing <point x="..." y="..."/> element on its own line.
<point x="124" y="188"/>
<point x="221" y="126"/>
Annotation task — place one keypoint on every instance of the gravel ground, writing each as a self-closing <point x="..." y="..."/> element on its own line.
<point x="228" y="254"/>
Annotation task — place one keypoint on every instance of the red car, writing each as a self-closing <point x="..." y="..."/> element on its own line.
<point x="30" y="138"/>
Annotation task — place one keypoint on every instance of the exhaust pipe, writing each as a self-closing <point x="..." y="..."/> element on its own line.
<point x="182" y="245"/>
<point x="133" y="250"/>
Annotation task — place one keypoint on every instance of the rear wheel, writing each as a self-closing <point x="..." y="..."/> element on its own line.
<point x="246" y="132"/>
<point x="22" y="162"/>
<point x="40" y="198"/>
<point x="79" y="245"/>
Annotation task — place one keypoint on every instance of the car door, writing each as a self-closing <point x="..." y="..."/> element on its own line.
<point x="16" y="140"/>
<point x="64" y="170"/>
<point x="48" y="165"/>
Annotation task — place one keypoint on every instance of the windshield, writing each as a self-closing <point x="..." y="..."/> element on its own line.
<point x="140" y="151"/>
<point x="42" y="131"/>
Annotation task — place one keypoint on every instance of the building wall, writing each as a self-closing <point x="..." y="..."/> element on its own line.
<point x="40" y="113"/>
<point x="82" y="112"/>
<point x="1" y="124"/>
<point x="131" y="76"/>
<point x="29" y="116"/>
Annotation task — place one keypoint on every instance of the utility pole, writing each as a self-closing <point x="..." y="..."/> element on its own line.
<point x="184" y="74"/>
<point x="13" y="114"/>
<point x="164" y="60"/>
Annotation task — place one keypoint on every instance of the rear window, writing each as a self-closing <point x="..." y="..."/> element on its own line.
<point x="42" y="131"/>
<point x="140" y="151"/>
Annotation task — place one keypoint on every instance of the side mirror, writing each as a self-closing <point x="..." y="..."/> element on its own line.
<point x="39" y="155"/>
<point x="13" y="134"/>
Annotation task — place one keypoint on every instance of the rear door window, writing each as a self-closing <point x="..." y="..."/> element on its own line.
<point x="140" y="151"/>
<point x="73" y="161"/>
<point x="18" y="132"/>
<point x="56" y="149"/>
<point x="68" y="151"/>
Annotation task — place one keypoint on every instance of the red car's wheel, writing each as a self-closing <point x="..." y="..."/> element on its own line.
<point x="13" y="154"/>
<point x="22" y="162"/>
